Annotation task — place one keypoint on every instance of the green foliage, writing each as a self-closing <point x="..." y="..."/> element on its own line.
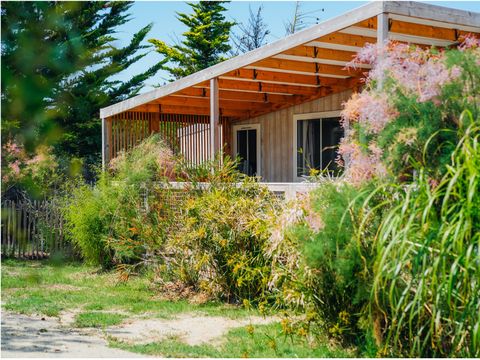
<point x="219" y="246"/>
<point x="340" y="256"/>
<point x="109" y="222"/>
<point x="205" y="42"/>
<point x="87" y="215"/>
<point x="58" y="61"/>
<point x="427" y="287"/>
<point x="324" y="264"/>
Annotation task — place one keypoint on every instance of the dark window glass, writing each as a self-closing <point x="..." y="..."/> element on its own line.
<point x="247" y="151"/>
<point x="317" y="145"/>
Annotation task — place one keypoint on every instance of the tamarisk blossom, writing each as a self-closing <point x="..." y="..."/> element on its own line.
<point x="469" y="42"/>
<point x="414" y="71"/>
<point x="370" y="110"/>
<point x="362" y="164"/>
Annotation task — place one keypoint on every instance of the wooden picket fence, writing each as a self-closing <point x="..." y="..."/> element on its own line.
<point x="32" y="229"/>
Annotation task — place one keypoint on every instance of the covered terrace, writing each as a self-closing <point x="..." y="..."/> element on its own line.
<point x="272" y="89"/>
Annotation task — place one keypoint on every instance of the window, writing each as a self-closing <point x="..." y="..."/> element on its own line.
<point x="317" y="140"/>
<point x="247" y="148"/>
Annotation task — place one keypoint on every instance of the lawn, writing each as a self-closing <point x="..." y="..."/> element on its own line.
<point x="100" y="300"/>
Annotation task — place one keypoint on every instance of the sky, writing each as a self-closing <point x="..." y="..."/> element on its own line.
<point x="276" y="13"/>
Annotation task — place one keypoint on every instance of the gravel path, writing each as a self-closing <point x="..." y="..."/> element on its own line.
<point x="30" y="336"/>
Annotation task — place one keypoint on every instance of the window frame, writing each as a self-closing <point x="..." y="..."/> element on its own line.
<point x="307" y="116"/>
<point x="235" y="129"/>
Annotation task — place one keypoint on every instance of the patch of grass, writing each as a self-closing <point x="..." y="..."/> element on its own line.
<point x="98" y="319"/>
<point x="262" y="341"/>
<point x="45" y="287"/>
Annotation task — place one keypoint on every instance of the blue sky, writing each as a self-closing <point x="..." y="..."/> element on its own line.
<point x="166" y="27"/>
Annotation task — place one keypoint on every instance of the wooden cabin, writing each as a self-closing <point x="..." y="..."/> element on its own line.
<point x="278" y="107"/>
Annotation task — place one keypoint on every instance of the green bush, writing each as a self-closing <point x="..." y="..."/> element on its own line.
<point x="109" y="222"/>
<point x="87" y="214"/>
<point x="219" y="246"/>
<point x="427" y="271"/>
<point x="325" y="260"/>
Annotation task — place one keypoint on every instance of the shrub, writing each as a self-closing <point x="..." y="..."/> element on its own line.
<point x="427" y="273"/>
<point x="219" y="246"/>
<point x="391" y="128"/>
<point x="326" y="270"/>
<point x="87" y="216"/>
<point x="109" y="222"/>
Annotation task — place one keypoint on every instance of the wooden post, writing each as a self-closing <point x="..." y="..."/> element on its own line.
<point x="214" y="118"/>
<point x="104" y="144"/>
<point x="382" y="38"/>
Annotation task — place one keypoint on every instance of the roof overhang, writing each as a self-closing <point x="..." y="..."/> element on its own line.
<point x="303" y="66"/>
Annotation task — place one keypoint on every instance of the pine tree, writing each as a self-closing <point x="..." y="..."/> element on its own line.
<point x="252" y="35"/>
<point x="204" y="44"/>
<point x="58" y="61"/>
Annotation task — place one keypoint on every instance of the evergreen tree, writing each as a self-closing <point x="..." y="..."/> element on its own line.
<point x="58" y="62"/>
<point x="204" y="44"/>
<point x="252" y="35"/>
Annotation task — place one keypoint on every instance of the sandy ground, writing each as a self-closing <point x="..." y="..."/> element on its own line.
<point x="193" y="329"/>
<point x="34" y="336"/>
<point x="30" y="336"/>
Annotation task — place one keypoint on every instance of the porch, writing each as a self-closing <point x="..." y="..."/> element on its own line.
<point x="277" y="107"/>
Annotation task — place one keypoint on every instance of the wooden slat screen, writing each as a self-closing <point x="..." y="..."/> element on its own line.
<point x="185" y="134"/>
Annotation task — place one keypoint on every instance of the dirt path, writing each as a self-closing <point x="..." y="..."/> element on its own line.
<point x="191" y="328"/>
<point x="30" y="336"/>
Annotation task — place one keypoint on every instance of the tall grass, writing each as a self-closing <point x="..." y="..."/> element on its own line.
<point x="427" y="273"/>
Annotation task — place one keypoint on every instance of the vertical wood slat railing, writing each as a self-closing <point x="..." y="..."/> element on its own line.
<point x="188" y="135"/>
<point x="32" y="229"/>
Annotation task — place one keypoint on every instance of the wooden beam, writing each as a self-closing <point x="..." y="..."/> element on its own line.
<point x="187" y="110"/>
<point x="272" y="77"/>
<point x="298" y="100"/>
<point x="263" y="87"/>
<point x="204" y="102"/>
<point x="307" y="67"/>
<point x="414" y="39"/>
<point x="318" y="61"/>
<point x="215" y="145"/>
<point x="412" y="28"/>
<point x="321" y="53"/>
<point x="240" y="96"/>
<point x="285" y="78"/>
<point x="432" y="12"/>
<point x="437" y="24"/>
<point x="357" y="41"/>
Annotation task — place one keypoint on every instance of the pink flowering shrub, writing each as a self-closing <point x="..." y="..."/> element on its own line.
<point x="34" y="172"/>
<point x="409" y="111"/>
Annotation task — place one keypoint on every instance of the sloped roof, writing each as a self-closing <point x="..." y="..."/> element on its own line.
<point x="303" y="66"/>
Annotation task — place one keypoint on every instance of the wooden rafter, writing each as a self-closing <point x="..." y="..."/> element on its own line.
<point x="234" y="95"/>
<point x="263" y="87"/>
<point x="307" y="68"/>
<point x="272" y="77"/>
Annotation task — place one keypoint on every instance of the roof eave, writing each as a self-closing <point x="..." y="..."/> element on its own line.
<point x="337" y="23"/>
